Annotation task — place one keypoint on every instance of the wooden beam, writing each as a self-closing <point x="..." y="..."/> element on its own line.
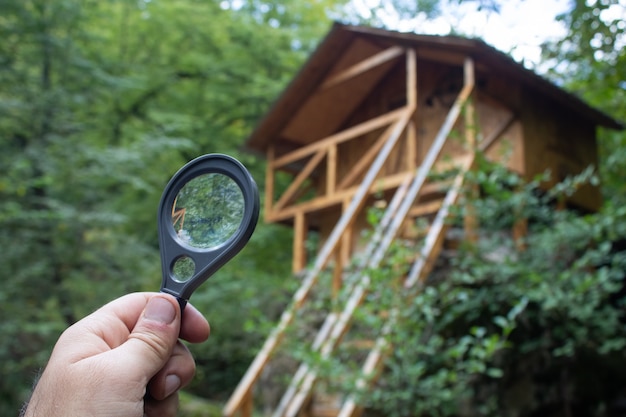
<point x="411" y="78"/>
<point x="363" y="66"/>
<point x="303" y="369"/>
<point x="469" y="75"/>
<point x="299" y="242"/>
<point x="297" y="182"/>
<point x="335" y="336"/>
<point x="359" y="291"/>
<point x="331" y="169"/>
<point x="411" y="99"/>
<point x="364" y="161"/>
<point x="346" y="240"/>
<point x="470" y="220"/>
<point x="337" y="274"/>
<point x="411" y="147"/>
<point x="237" y="400"/>
<point x="422" y="209"/>
<point x="343" y="136"/>
<point x="247" y="407"/>
<point x="382" y="184"/>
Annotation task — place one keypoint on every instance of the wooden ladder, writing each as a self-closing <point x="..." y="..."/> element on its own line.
<point x="336" y="324"/>
<point x="397" y="212"/>
<point x="420" y="268"/>
<point x="240" y="401"/>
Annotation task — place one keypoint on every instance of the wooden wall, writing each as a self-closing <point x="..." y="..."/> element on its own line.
<point x="561" y="143"/>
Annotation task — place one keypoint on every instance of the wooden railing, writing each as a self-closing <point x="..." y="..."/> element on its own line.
<point x="314" y="156"/>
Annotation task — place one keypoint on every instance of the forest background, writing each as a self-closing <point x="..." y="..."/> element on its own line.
<point x="101" y="102"/>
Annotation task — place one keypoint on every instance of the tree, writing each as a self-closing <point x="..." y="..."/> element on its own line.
<point x="100" y="103"/>
<point x="504" y="331"/>
<point x="65" y="239"/>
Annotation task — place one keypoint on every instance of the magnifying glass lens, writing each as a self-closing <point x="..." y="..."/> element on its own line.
<point x="183" y="269"/>
<point x="208" y="211"/>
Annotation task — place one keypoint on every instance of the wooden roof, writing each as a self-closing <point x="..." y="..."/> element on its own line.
<point x="344" y="45"/>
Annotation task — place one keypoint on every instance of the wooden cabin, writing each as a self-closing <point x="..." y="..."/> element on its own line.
<point x="328" y="125"/>
<point x="367" y="120"/>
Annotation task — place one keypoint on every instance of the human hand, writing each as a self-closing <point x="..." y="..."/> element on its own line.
<point x="124" y="359"/>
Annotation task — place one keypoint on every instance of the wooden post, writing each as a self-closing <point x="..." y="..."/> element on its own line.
<point x="411" y="78"/>
<point x="346" y="240"/>
<point x="520" y="230"/>
<point x="411" y="147"/>
<point x="337" y="275"/>
<point x="342" y="257"/>
<point x="247" y="406"/>
<point x="331" y="169"/>
<point x="299" y="242"/>
<point x="470" y="222"/>
<point x="411" y="99"/>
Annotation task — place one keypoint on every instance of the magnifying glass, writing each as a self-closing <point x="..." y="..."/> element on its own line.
<point x="207" y="214"/>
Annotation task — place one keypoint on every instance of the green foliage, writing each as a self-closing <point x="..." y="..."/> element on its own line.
<point x="502" y="331"/>
<point x="100" y="103"/>
<point x="499" y="330"/>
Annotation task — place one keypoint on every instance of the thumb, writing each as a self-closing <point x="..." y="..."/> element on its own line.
<point x="153" y="338"/>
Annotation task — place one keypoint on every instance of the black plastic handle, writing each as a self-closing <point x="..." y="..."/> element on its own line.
<point x="206" y="260"/>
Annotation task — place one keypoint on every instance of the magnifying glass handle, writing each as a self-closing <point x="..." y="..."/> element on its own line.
<point x="182" y="303"/>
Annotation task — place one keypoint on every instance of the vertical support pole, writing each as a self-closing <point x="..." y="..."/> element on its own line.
<point x="346" y="239"/>
<point x="470" y="222"/>
<point x="411" y="78"/>
<point x="331" y="170"/>
<point x="411" y="148"/>
<point x="299" y="242"/>
<point x="342" y="256"/>
<point x="411" y="99"/>
<point x="269" y="182"/>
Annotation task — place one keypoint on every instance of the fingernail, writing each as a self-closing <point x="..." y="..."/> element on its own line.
<point x="161" y="310"/>
<point x="172" y="383"/>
